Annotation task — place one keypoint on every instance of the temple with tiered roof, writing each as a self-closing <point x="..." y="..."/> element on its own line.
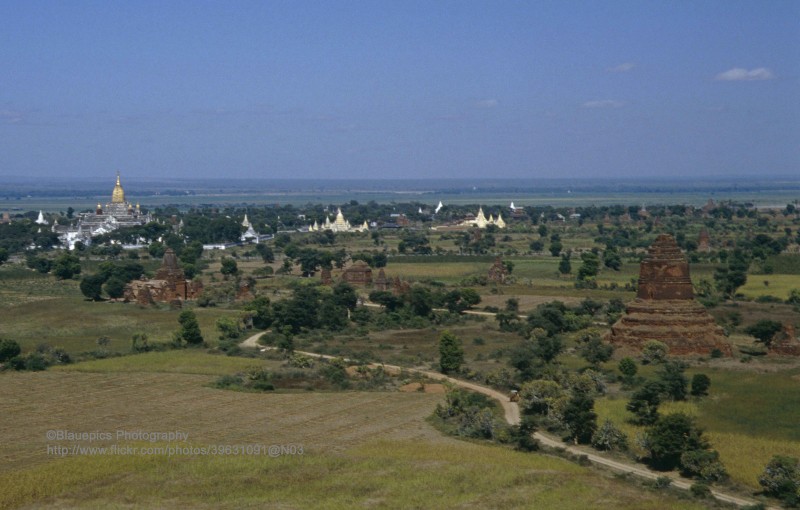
<point x="116" y="214"/>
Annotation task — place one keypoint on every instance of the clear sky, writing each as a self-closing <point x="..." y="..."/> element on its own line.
<point x="371" y="89"/>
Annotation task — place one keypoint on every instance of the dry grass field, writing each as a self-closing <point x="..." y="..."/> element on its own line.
<point x="371" y="449"/>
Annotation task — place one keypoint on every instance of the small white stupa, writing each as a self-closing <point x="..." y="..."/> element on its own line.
<point x="40" y="220"/>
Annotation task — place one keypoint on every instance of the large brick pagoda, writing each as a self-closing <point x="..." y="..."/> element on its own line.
<point x="665" y="308"/>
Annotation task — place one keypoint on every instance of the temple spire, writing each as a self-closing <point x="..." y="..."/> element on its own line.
<point x="118" y="195"/>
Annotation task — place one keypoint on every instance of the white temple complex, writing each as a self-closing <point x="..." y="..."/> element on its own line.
<point x="116" y="214"/>
<point x="338" y="225"/>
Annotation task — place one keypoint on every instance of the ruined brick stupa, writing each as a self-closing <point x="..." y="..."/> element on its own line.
<point x="665" y="308"/>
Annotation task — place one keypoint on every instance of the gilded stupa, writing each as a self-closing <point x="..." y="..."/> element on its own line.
<point x="116" y="214"/>
<point x="118" y="195"/>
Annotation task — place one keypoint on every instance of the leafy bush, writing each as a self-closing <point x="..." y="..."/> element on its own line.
<point x="704" y="464"/>
<point x="608" y="437"/>
<point x="229" y="381"/>
<point x="700" y="490"/>
<point x="8" y="349"/>
<point x="781" y="479"/>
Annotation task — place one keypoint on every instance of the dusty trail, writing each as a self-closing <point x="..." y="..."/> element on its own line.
<point x="512" y="416"/>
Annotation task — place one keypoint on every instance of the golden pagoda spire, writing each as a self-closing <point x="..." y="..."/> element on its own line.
<point x="118" y="195"/>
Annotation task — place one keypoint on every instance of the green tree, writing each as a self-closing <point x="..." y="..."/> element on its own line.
<point x="379" y="260"/>
<point x="3" y="256"/>
<point x="451" y="354"/>
<point x="507" y="320"/>
<point x="301" y="311"/>
<point x="115" y="287"/>
<point x="627" y="367"/>
<point x="673" y="379"/>
<point x="580" y="418"/>
<point x="700" y="384"/>
<point x="644" y="403"/>
<point x="565" y="266"/>
<point x="39" y="263"/>
<point x="420" y="301"/>
<point x="229" y="266"/>
<point x="65" y="266"/>
<point x="260" y="311"/>
<point x="555" y="248"/>
<point x="190" y="328"/>
<point x="332" y="315"/>
<point x="590" y="266"/>
<point x="386" y="299"/>
<point x="611" y="259"/>
<point x="764" y="330"/>
<point x="730" y="278"/>
<point x="595" y="351"/>
<point x="92" y="286"/>
<point x="8" y="349"/>
<point x="229" y="328"/>
<point x="267" y="255"/>
<point x="345" y="296"/>
<point x="781" y="479"/>
<point x="670" y="437"/>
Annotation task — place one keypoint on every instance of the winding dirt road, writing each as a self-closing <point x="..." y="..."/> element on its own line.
<point x="512" y="416"/>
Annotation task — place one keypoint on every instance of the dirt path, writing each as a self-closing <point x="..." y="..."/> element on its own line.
<point x="512" y="416"/>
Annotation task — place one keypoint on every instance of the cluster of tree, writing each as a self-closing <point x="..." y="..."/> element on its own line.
<point x="64" y="266"/>
<point x="17" y="236"/>
<point x="111" y="277"/>
<point x="414" y="242"/>
<point x="675" y="441"/>
<point x="309" y="308"/>
<point x="44" y="356"/>
<point x="563" y="402"/>
<point x="421" y="301"/>
<point x="476" y="242"/>
<point x="469" y="414"/>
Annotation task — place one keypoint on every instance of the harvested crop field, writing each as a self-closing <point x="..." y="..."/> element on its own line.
<point x="33" y="403"/>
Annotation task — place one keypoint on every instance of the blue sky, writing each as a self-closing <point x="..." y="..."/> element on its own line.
<point x="371" y="89"/>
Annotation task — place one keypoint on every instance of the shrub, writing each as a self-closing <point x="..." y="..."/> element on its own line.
<point x="764" y="330"/>
<point x="35" y="362"/>
<point x="704" y="464"/>
<point x="700" y="490"/>
<point x="608" y="437"/>
<point x="8" y="349"/>
<point x="654" y="352"/>
<point x="662" y="482"/>
<point x="229" y="381"/>
<point x="781" y="479"/>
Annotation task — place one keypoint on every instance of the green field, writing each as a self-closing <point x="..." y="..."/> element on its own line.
<point x="733" y="416"/>
<point x="38" y="309"/>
